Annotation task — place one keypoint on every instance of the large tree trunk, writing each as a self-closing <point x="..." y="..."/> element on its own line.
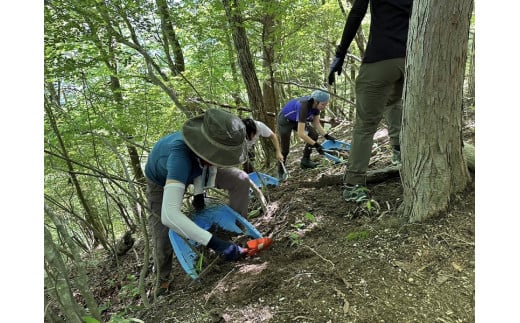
<point x="433" y="161"/>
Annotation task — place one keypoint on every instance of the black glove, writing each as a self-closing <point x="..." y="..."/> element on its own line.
<point x="329" y="137"/>
<point x="198" y="202"/>
<point x="336" y="66"/>
<point x="228" y="250"/>
<point x="318" y="147"/>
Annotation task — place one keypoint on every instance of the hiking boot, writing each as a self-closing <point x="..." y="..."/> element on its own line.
<point x="162" y="289"/>
<point x="306" y="163"/>
<point x="396" y="157"/>
<point x="355" y="193"/>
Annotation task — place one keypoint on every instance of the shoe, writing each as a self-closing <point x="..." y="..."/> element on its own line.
<point x="396" y="157"/>
<point x="357" y="193"/>
<point x="162" y="289"/>
<point x="306" y="163"/>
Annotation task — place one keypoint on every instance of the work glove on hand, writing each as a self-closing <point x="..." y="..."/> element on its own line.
<point x="318" y="147"/>
<point x="329" y="137"/>
<point x="336" y="66"/>
<point x="228" y="250"/>
<point x="198" y="202"/>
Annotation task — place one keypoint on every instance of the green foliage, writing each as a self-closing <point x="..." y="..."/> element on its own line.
<point x="310" y="217"/>
<point x="357" y="235"/>
<point x="296" y="240"/>
<point x="299" y="225"/>
<point x="130" y="289"/>
<point x="89" y="319"/>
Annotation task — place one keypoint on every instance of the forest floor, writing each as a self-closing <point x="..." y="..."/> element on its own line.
<point x="331" y="261"/>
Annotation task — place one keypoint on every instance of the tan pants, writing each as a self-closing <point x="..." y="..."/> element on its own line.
<point x="379" y="87"/>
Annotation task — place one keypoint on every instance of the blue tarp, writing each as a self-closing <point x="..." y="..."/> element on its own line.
<point x="335" y="145"/>
<point x="220" y="215"/>
<point x="260" y="179"/>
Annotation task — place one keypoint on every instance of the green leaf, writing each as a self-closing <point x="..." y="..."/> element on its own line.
<point x="310" y="217"/>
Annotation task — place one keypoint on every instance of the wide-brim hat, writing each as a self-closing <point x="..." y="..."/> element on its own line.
<point x="218" y="137"/>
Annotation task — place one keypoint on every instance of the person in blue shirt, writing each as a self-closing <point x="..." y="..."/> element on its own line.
<point x="297" y="115"/>
<point x="379" y="84"/>
<point x="201" y="154"/>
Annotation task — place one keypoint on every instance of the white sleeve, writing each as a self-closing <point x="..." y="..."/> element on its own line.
<point x="263" y="130"/>
<point x="172" y="217"/>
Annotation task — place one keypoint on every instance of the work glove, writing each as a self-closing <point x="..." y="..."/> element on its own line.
<point x="336" y="66"/>
<point x="329" y="137"/>
<point x="198" y="202"/>
<point x="228" y="250"/>
<point x="318" y="147"/>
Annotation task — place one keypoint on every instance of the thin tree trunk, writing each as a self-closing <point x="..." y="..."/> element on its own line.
<point x="82" y="280"/>
<point x="245" y="59"/>
<point x="91" y="218"/>
<point x="269" y="94"/>
<point x="57" y="280"/>
<point x="433" y="161"/>
<point x="170" y="43"/>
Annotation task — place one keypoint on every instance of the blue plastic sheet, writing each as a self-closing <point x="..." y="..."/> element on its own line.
<point x="260" y="179"/>
<point x="336" y="145"/>
<point x="221" y="215"/>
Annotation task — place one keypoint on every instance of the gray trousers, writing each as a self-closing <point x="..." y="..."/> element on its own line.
<point x="379" y="88"/>
<point x="235" y="181"/>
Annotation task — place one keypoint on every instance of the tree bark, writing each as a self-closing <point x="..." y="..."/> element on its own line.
<point x="269" y="94"/>
<point x="57" y="280"/>
<point x="170" y="43"/>
<point x="245" y="59"/>
<point x="90" y="215"/>
<point x="433" y="162"/>
<point x="81" y="280"/>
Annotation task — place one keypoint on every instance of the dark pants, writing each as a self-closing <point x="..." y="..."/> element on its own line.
<point x="285" y="128"/>
<point x="248" y="165"/>
<point x="379" y="88"/>
<point x="235" y="181"/>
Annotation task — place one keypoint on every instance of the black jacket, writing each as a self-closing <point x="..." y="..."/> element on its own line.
<point x="388" y="28"/>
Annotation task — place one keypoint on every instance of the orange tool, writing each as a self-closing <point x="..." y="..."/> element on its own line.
<point x="257" y="245"/>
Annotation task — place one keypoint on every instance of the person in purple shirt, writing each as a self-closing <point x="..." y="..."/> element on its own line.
<point x="297" y="115"/>
<point x="379" y="84"/>
<point x="201" y="154"/>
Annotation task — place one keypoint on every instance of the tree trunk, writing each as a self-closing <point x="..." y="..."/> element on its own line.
<point x="91" y="216"/>
<point x="170" y="43"/>
<point x="269" y="94"/>
<point x="57" y="281"/>
<point x="245" y="59"/>
<point x="433" y="162"/>
<point x="470" y="79"/>
<point x="81" y="280"/>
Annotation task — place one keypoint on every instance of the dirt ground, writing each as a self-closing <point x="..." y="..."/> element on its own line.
<point x="331" y="261"/>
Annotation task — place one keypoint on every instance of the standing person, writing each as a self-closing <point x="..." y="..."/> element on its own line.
<point x="379" y="84"/>
<point x="296" y="115"/>
<point x="216" y="138"/>
<point x="255" y="129"/>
